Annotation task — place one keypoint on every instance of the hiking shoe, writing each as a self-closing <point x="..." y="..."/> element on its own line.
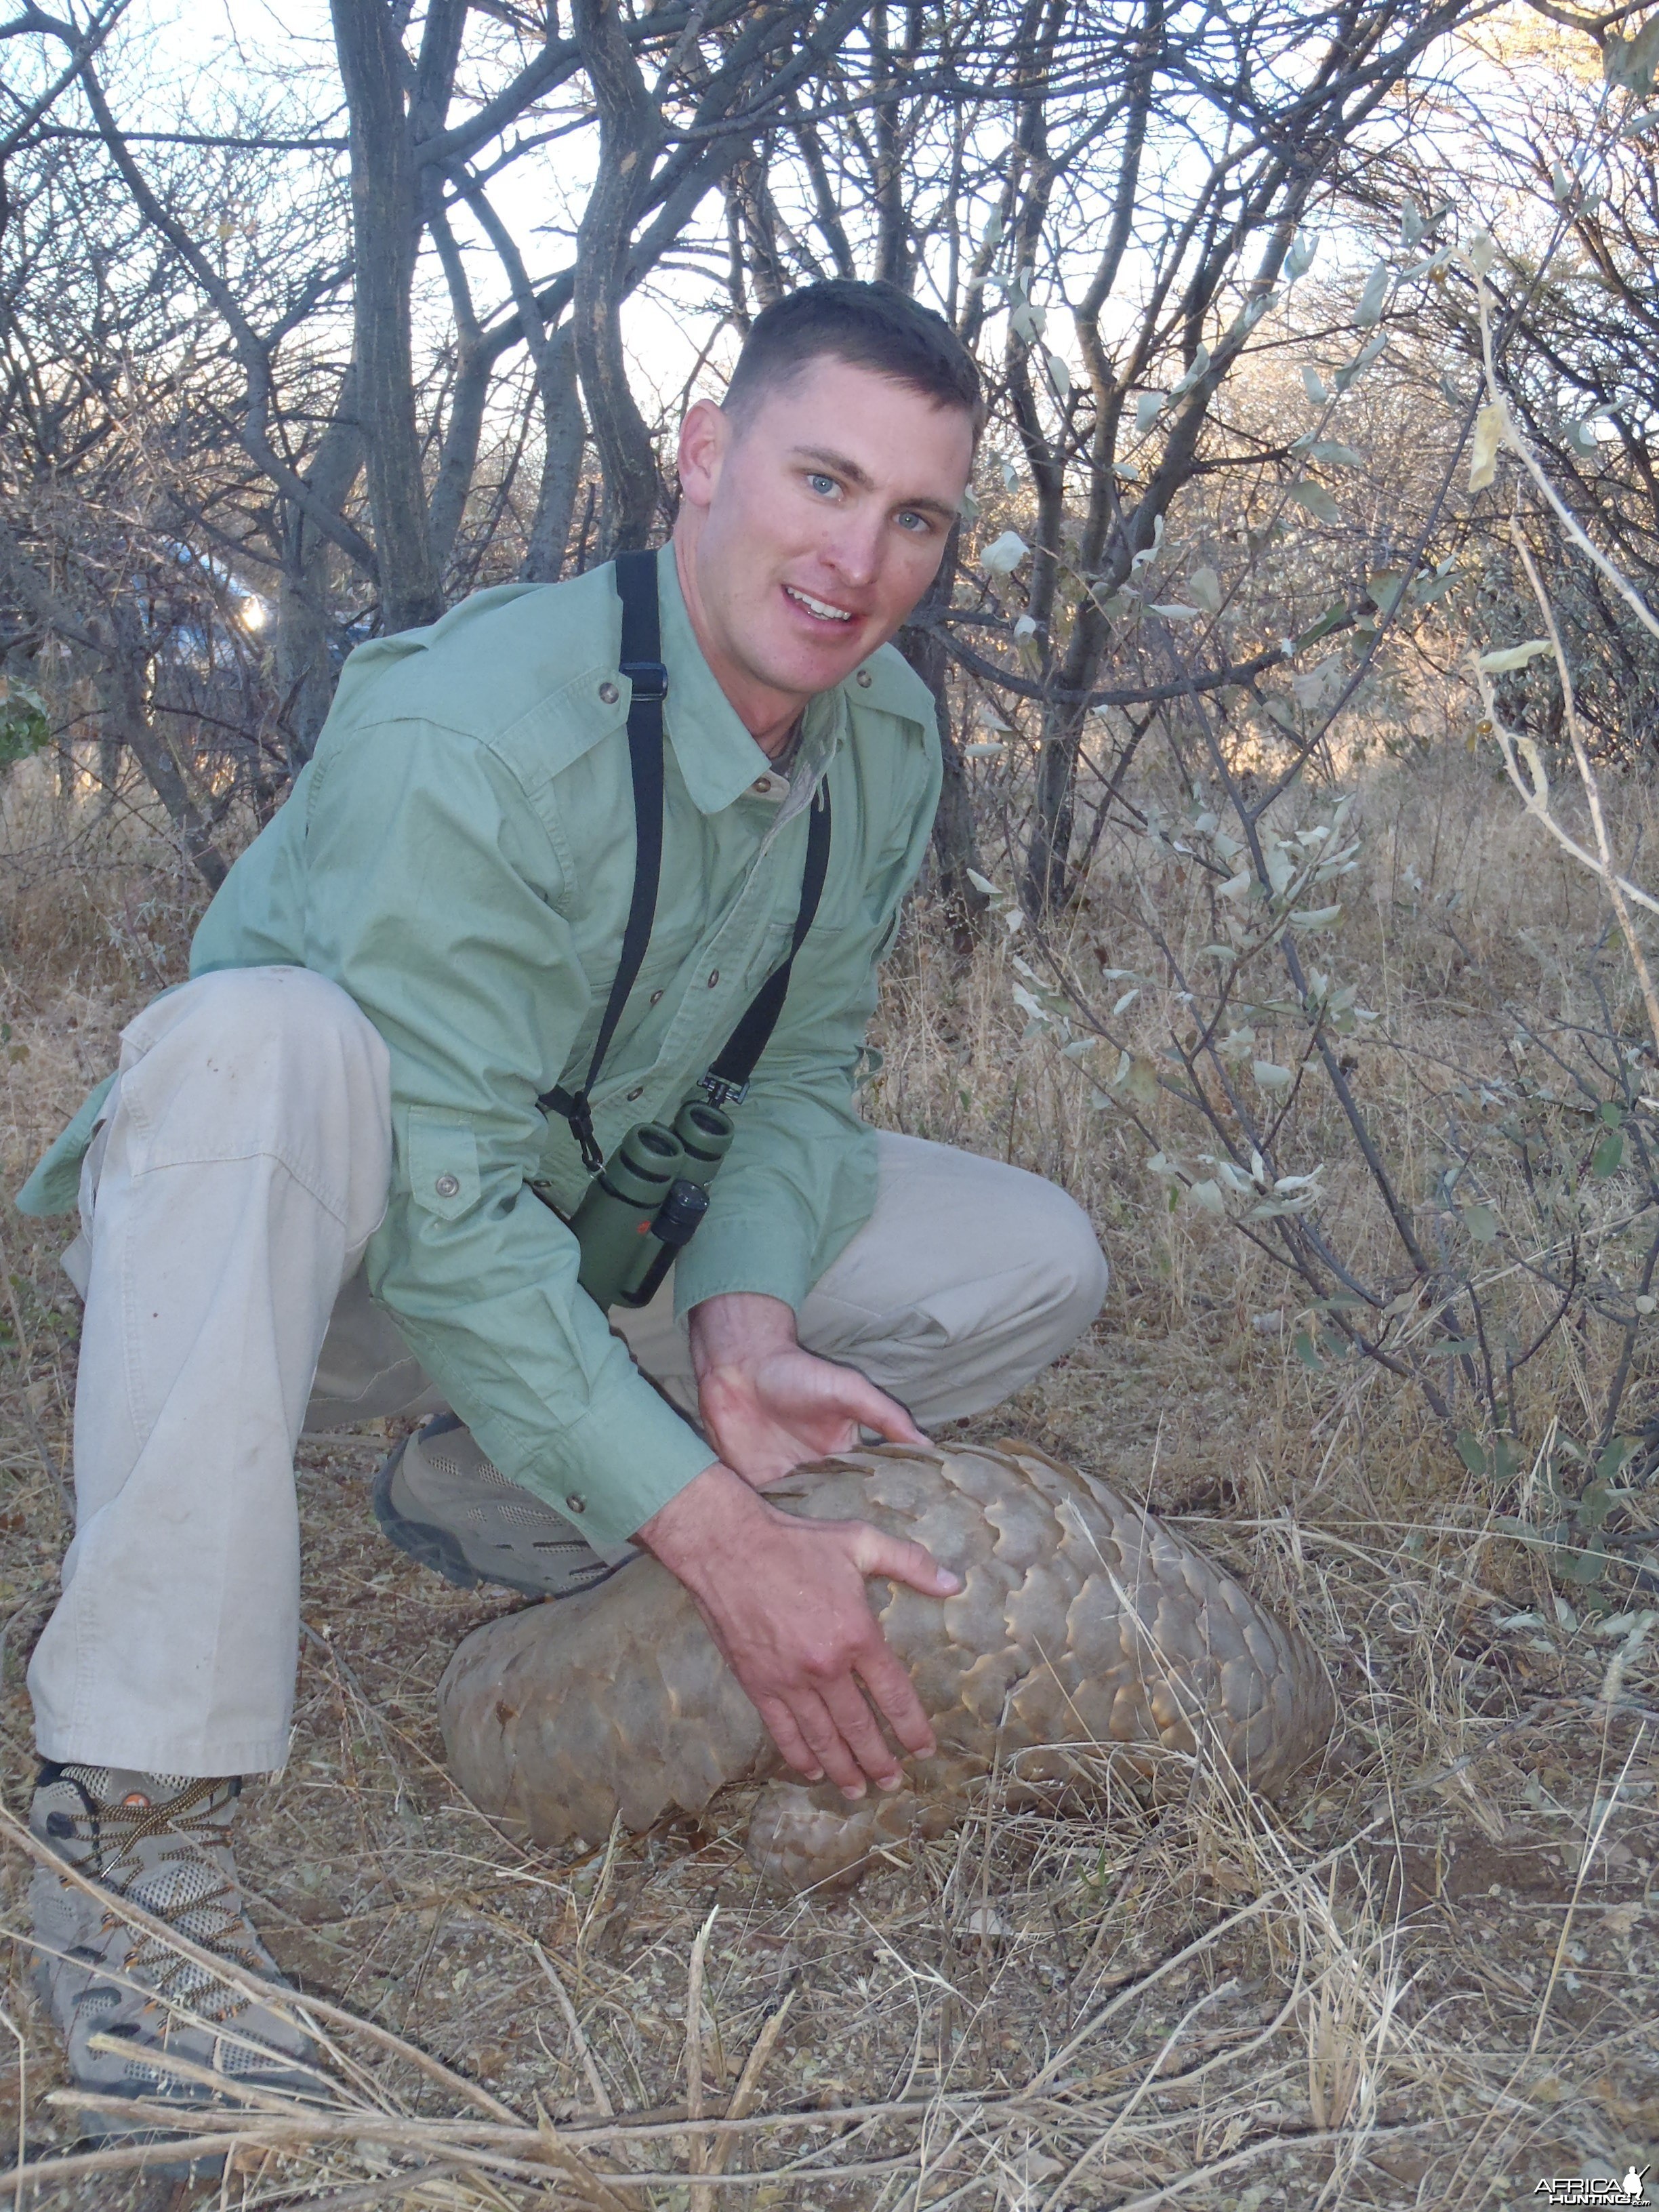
<point x="442" y="1501"/>
<point x="162" y="1841"/>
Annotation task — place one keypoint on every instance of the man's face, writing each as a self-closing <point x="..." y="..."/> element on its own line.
<point x="811" y="528"/>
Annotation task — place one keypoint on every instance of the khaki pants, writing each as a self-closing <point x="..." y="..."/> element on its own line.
<point x="239" y="1169"/>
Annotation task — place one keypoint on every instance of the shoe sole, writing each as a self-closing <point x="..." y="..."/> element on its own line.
<point x="440" y="1551"/>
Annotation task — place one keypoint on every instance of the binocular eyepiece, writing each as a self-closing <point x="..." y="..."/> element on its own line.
<point x="645" y="1203"/>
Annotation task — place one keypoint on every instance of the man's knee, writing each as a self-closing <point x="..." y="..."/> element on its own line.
<point x="1066" y="1258"/>
<point x="252" y="1061"/>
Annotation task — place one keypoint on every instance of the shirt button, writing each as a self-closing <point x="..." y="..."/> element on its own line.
<point x="632" y="1095"/>
<point x="714" y="977"/>
<point x="865" y="680"/>
<point x="575" y="1502"/>
<point x="609" y="693"/>
<point x="761" y="784"/>
<point x="446" y="1185"/>
<point x="656" y="998"/>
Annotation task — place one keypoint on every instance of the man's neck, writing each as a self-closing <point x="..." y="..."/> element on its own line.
<point x="771" y="718"/>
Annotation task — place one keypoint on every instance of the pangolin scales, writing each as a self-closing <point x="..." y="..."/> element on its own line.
<point x="1082" y="1621"/>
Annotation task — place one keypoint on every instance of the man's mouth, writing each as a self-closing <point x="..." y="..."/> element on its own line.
<point x="821" y="608"/>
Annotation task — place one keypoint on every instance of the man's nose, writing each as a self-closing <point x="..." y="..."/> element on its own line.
<point x="853" y="550"/>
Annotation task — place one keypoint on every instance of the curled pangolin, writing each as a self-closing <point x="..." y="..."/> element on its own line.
<point x="1082" y="1628"/>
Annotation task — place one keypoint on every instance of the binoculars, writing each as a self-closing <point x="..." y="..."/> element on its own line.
<point x="645" y="1204"/>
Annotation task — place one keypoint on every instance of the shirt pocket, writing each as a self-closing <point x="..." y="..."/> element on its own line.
<point x="442" y="1153"/>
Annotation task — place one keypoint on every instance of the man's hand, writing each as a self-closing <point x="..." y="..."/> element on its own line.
<point x="784" y="1600"/>
<point x="767" y="1406"/>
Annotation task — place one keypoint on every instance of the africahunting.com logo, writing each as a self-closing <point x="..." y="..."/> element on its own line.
<point x="1595" y="2189"/>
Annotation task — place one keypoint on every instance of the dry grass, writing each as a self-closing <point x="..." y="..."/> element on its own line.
<point x="1426" y="1979"/>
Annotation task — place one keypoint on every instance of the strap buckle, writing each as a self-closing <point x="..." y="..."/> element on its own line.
<point x="648" y="678"/>
<point x="718" y="1091"/>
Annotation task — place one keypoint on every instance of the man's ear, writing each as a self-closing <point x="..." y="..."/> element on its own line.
<point x="705" y="435"/>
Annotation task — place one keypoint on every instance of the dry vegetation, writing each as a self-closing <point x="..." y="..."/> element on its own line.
<point x="1425" y="1979"/>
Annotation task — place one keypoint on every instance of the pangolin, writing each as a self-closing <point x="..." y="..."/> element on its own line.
<point x="1086" y="1638"/>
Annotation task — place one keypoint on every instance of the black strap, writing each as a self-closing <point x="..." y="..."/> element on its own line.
<point x="728" y="1079"/>
<point x="641" y="663"/>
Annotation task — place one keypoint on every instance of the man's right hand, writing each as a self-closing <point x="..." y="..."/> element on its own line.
<point x="784" y="1600"/>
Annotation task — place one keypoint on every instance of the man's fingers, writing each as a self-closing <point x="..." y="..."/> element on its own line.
<point x="821" y="1729"/>
<point x="900" y="1561"/>
<point x="874" y="1409"/>
<point x="895" y="1696"/>
<point x="782" y="1728"/>
<point x="863" y="1738"/>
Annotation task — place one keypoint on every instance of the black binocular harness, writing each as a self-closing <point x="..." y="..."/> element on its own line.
<point x="642" y="664"/>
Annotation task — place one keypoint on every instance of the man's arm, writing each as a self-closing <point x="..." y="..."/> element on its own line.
<point x="800" y="1176"/>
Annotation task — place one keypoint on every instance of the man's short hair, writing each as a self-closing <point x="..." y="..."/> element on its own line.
<point x="874" y="327"/>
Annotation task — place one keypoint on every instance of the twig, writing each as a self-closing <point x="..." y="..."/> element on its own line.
<point x="700" y="2199"/>
<point x="748" y="2083"/>
<point x="595" y="2080"/>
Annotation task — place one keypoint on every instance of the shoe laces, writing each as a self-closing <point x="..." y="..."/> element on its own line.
<point x="195" y="1893"/>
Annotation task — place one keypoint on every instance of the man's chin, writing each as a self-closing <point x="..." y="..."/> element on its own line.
<point x="804" y="667"/>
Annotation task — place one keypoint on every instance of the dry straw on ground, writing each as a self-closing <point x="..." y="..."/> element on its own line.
<point x="1426" y="1979"/>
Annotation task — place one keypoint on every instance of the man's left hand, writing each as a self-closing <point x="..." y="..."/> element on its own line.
<point x="766" y="1405"/>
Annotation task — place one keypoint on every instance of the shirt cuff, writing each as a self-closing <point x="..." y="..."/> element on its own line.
<point x="740" y="1253"/>
<point x="610" y="1470"/>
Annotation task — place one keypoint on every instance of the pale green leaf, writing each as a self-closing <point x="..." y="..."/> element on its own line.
<point x="1489" y="425"/>
<point x="1004" y="555"/>
<point x="1372" y="298"/>
<point x="1514" y="656"/>
<point x="1315" y="500"/>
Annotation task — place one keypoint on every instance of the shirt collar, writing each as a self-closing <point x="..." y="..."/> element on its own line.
<point x="718" y="758"/>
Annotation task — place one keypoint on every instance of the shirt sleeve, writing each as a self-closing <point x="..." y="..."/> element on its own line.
<point x="800" y="1177"/>
<point x="434" y="899"/>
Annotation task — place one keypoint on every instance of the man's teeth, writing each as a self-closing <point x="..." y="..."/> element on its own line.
<point x="825" y="613"/>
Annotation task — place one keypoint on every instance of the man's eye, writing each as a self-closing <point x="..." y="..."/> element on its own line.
<point x="918" y="525"/>
<point x="820" y="483"/>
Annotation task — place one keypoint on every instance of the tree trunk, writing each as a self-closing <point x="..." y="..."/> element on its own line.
<point x="955" y="835"/>
<point x="385" y="232"/>
<point x="630" y="134"/>
<point x="305" y="641"/>
<point x="564" y="437"/>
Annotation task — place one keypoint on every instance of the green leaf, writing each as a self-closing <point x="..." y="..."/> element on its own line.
<point x="1481" y="1222"/>
<point x="1205" y="587"/>
<point x="1271" y="1078"/>
<point x="1314" y="385"/>
<point x="1148" y="407"/>
<point x="1315" y="500"/>
<point x="1489" y="426"/>
<point x="1514" y="656"/>
<point x="1140" y="1081"/>
<point x="1612" y="1461"/>
<point x="1371" y="298"/>
<point x="1333" y="450"/>
<point x="1299" y="259"/>
<point x="1303" y="1345"/>
<point x="1608" y="1155"/>
<point x="1386" y="589"/>
<point x="1327" y="622"/>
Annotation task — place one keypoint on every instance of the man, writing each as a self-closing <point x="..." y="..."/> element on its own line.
<point x="345" y="1113"/>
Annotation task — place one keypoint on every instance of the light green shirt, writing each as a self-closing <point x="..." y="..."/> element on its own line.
<point x="458" y="857"/>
